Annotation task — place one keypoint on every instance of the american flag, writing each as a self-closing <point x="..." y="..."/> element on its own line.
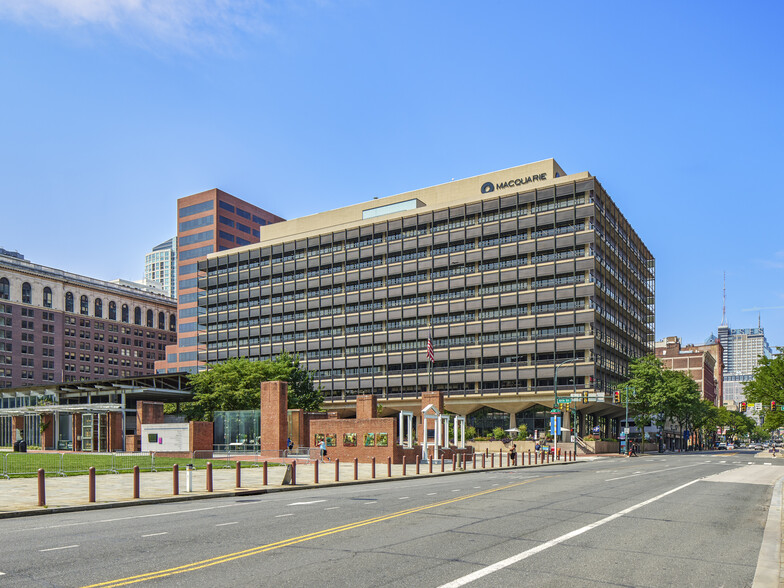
<point x="430" y="355"/>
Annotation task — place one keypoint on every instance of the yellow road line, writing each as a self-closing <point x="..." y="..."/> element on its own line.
<point x="198" y="565"/>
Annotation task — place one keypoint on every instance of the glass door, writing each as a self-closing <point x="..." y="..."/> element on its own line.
<point x="87" y="432"/>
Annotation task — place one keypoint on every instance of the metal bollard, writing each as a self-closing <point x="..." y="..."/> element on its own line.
<point x="501" y="458"/>
<point x="492" y="460"/>
<point x="356" y="469"/>
<point x="209" y="476"/>
<point x="315" y="471"/>
<point x="41" y="488"/>
<point x="189" y="477"/>
<point x="238" y="475"/>
<point x="529" y="457"/>
<point x="294" y="473"/>
<point x="404" y="466"/>
<point x="442" y="463"/>
<point x="536" y="458"/>
<point x="175" y="479"/>
<point x="91" y="485"/>
<point x="474" y="460"/>
<point x="372" y="467"/>
<point x="417" y="465"/>
<point x="430" y="463"/>
<point x="136" y="481"/>
<point x="389" y="467"/>
<point x="454" y="461"/>
<point x="264" y="473"/>
<point x="483" y="461"/>
<point x="337" y="470"/>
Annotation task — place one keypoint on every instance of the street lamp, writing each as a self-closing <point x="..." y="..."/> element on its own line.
<point x="555" y="390"/>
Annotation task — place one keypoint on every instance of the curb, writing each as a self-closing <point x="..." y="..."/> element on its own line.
<point x="770" y="572"/>
<point x="258" y="491"/>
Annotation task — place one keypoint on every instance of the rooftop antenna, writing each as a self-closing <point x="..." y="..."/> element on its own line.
<point x="724" y="302"/>
<point x="759" y="320"/>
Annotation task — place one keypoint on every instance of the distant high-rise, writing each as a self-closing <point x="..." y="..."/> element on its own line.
<point x="742" y="349"/>
<point x="160" y="265"/>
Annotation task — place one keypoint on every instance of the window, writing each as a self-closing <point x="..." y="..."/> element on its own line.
<point x="137" y="316"/>
<point x="226" y="206"/>
<point x="196" y="223"/>
<point x="125" y="318"/>
<point x="83" y="305"/>
<point x="243" y="214"/>
<point x="258" y="220"/>
<point x="150" y="319"/>
<point x="69" y="307"/>
<point x="225" y="235"/>
<point x="47" y="297"/>
<point x="243" y="228"/>
<point x="241" y="241"/>
<point x="196" y="238"/>
<point x="189" y="283"/>
<point x="172" y="323"/>
<point x="27" y="293"/>
<point x="5" y="289"/>
<point x="98" y="308"/>
<point x="226" y="221"/>
<point x="186" y="298"/>
<point x="112" y="311"/>
<point x="161" y="321"/>
<point x="198" y="252"/>
<point x="196" y="208"/>
<point x="188" y="268"/>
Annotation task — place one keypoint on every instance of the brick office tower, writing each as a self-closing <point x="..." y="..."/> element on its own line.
<point x="695" y="362"/>
<point x="207" y="222"/>
<point x="516" y="275"/>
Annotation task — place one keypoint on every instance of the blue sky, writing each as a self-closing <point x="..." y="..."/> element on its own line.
<point x="112" y="109"/>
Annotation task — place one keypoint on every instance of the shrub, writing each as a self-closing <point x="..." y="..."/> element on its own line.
<point x="523" y="433"/>
<point x="498" y="433"/>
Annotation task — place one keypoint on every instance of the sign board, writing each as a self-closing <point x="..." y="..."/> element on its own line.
<point x="166" y="437"/>
<point x="564" y="400"/>
<point x="555" y="425"/>
<point x="757" y="406"/>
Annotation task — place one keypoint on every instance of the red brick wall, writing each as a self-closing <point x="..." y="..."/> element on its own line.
<point x="339" y="427"/>
<point x="133" y="443"/>
<point x="115" y="431"/>
<point x="274" y="415"/>
<point x="305" y="436"/>
<point x="76" y="420"/>
<point x="17" y="424"/>
<point x="148" y="413"/>
<point x="200" y="436"/>
<point x="47" y="435"/>
<point x="367" y="407"/>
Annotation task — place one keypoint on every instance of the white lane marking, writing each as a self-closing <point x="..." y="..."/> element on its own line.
<point x="767" y="463"/>
<point x="303" y="503"/>
<point x="723" y="461"/>
<point x="456" y="490"/>
<point x="477" y="487"/>
<point x="533" y="551"/>
<point x="495" y="484"/>
<point x="288" y="514"/>
<point x="57" y="548"/>
<point x="751" y="462"/>
<point x="431" y="493"/>
<point x="402" y="497"/>
<point x="331" y="507"/>
<point x="648" y="473"/>
<point x="156" y="534"/>
<point x="225" y="524"/>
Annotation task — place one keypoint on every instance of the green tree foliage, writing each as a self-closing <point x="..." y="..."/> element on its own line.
<point x="522" y="435"/>
<point x="235" y="384"/>
<point x="768" y="384"/>
<point x="499" y="433"/>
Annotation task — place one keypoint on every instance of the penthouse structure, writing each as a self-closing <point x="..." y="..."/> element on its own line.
<point x="56" y="326"/>
<point x="516" y="275"/>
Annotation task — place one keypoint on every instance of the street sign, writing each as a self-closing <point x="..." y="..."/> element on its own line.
<point x="757" y="406"/>
<point x="564" y="400"/>
<point x="555" y="411"/>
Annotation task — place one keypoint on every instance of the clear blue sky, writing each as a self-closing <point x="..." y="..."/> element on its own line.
<point x="112" y="109"/>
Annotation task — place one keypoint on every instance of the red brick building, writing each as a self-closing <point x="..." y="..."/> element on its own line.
<point x="696" y="361"/>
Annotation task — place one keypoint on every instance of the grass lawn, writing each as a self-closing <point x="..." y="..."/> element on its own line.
<point x="76" y="464"/>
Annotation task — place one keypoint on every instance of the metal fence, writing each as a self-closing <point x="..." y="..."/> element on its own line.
<point x="65" y="464"/>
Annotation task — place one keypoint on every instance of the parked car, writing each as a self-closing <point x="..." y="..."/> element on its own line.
<point x="756" y="446"/>
<point x="721" y="446"/>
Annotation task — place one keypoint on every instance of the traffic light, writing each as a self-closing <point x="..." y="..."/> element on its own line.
<point x="585" y="397"/>
<point x="743" y="407"/>
<point x="772" y="405"/>
<point x="617" y="398"/>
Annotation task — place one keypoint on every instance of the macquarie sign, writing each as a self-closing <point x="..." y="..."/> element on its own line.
<point x="488" y="187"/>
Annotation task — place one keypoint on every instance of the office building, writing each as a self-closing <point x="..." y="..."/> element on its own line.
<point x="742" y="350"/>
<point x="207" y="222"/>
<point x="160" y="265"/>
<point x="56" y="326"/>
<point x="696" y="362"/>
<point x="517" y="275"/>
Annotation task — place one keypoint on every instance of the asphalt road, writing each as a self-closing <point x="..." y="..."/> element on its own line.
<point x="673" y="520"/>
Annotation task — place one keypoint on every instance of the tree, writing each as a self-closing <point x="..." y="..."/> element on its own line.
<point x="235" y="384"/>
<point x="766" y="385"/>
<point x="680" y="399"/>
<point x="646" y="392"/>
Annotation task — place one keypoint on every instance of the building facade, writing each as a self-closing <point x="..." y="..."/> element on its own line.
<point x="695" y="362"/>
<point x="61" y="327"/>
<point x="160" y="265"/>
<point x="207" y="222"/>
<point x="516" y="276"/>
<point x="742" y="350"/>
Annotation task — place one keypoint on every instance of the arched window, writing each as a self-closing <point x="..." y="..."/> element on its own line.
<point x="5" y="289"/>
<point x="172" y="323"/>
<point x="150" y="319"/>
<point x="68" y="302"/>
<point x="112" y="311"/>
<point x="125" y="318"/>
<point x="27" y="293"/>
<point x="161" y="321"/>
<point x="84" y="305"/>
<point x="98" y="308"/>
<point x="137" y="316"/>
<point x="47" y="297"/>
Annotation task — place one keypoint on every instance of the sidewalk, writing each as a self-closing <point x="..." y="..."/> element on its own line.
<point x="20" y="495"/>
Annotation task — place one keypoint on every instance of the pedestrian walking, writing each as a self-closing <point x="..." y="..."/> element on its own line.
<point x="323" y="450"/>
<point x="633" y="452"/>
<point x="513" y="454"/>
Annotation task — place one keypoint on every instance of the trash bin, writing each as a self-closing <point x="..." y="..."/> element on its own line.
<point x="16" y="446"/>
<point x="21" y="446"/>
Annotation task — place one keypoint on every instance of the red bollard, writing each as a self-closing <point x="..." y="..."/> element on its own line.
<point x="175" y="479"/>
<point x="442" y="463"/>
<point x="209" y="475"/>
<point x="372" y="467"/>
<point x="389" y="467"/>
<point x="136" y="481"/>
<point x="238" y="476"/>
<point x="356" y="469"/>
<point x="487" y="451"/>
<point x="294" y="473"/>
<point x="264" y="473"/>
<point x="529" y="457"/>
<point x="483" y="461"/>
<point x="430" y="462"/>
<point x="41" y="488"/>
<point x="536" y="458"/>
<point x="474" y="460"/>
<point x="315" y="472"/>
<point x="337" y="470"/>
<point x="492" y="460"/>
<point x="454" y="461"/>
<point x="91" y="485"/>
<point x="404" y="466"/>
<point x="500" y="458"/>
<point x="417" y="465"/>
